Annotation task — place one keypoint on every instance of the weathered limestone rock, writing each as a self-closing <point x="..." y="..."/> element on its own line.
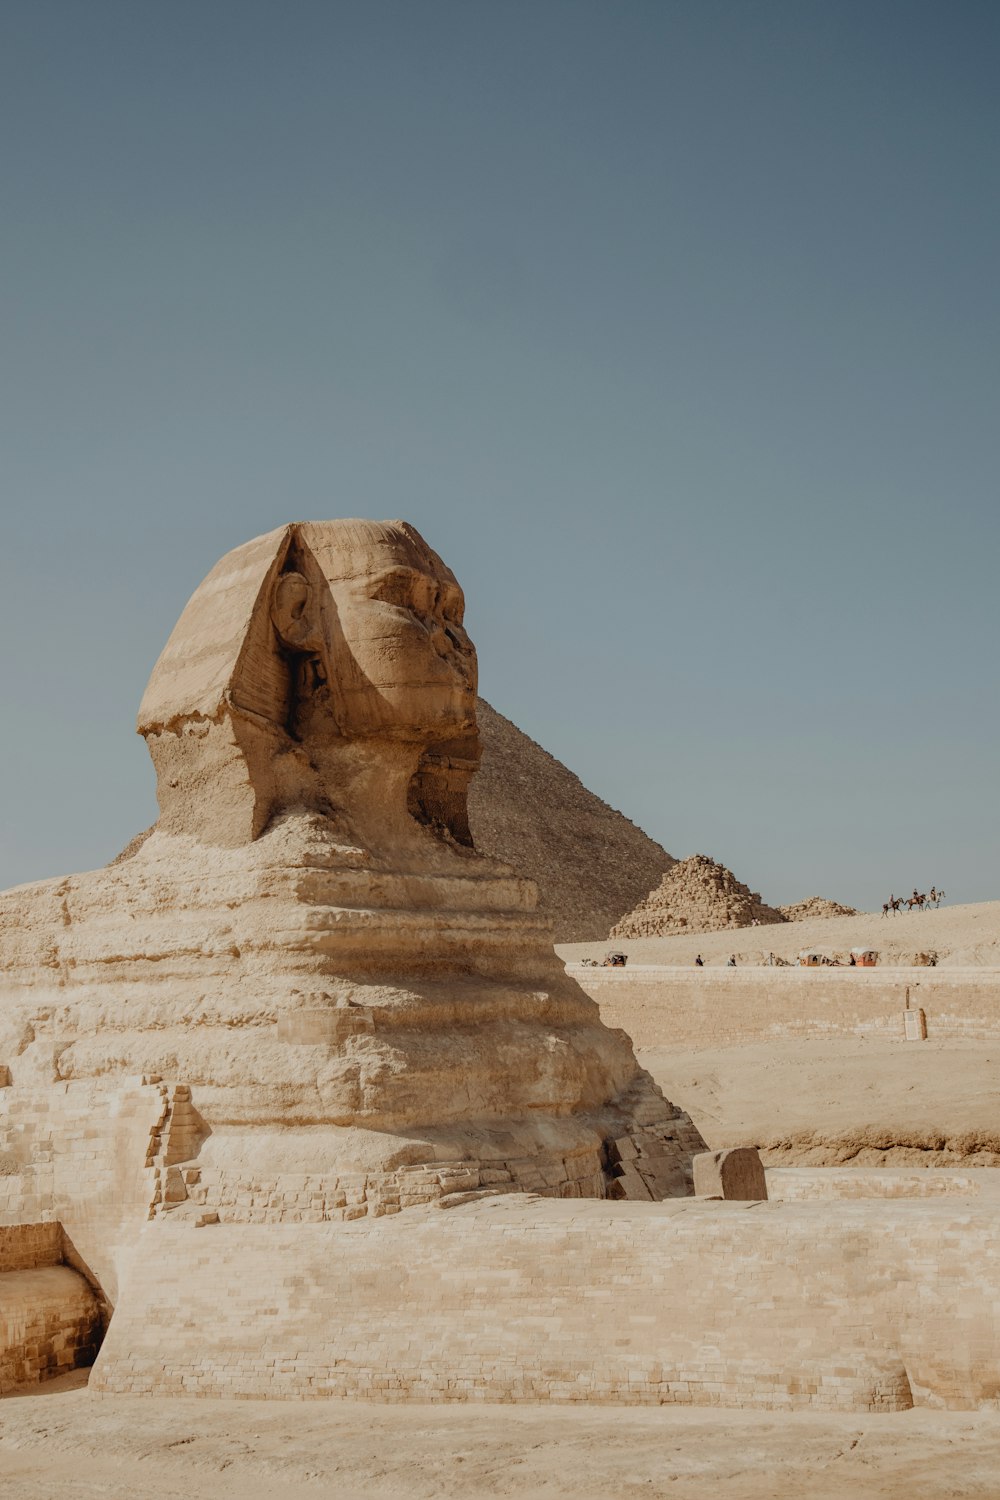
<point x="306" y="996"/>
<point x="737" y="1173"/>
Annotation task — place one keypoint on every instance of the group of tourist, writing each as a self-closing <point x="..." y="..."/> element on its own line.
<point x="917" y="902"/>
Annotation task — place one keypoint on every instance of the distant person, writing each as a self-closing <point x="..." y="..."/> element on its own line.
<point x="852" y="962"/>
<point x="732" y="961"/>
<point x="699" y="962"/>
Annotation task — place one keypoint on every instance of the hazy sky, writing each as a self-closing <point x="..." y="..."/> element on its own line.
<point x="673" y="326"/>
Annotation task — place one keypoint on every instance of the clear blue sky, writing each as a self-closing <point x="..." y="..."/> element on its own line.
<point x="673" y="326"/>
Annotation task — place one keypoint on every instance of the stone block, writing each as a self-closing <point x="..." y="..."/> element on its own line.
<point x="915" y="1025"/>
<point x="736" y="1174"/>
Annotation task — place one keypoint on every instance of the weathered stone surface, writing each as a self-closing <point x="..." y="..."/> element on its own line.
<point x="737" y="1173"/>
<point x="306" y="997"/>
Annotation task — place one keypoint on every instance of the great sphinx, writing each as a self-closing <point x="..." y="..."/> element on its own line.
<point x="305" y="996"/>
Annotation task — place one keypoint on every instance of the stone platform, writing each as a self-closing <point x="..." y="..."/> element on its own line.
<point x="831" y="1305"/>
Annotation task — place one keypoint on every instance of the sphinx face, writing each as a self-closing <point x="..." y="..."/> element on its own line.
<point x="402" y="660"/>
<point x="345" y="638"/>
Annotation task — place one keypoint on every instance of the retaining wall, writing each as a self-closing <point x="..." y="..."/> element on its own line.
<point x="662" y="1006"/>
<point x="850" y="1306"/>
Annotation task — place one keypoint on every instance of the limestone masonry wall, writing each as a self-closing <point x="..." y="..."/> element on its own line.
<point x="49" y="1324"/>
<point x="660" y="1006"/>
<point x="26" y="1247"/>
<point x="74" y="1157"/>
<point x="842" y="1305"/>
<point x="50" y="1319"/>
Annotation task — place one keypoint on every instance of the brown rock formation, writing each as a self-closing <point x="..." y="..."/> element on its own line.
<point x="816" y="907"/>
<point x="306" y="994"/>
<point x="696" y="895"/>
<point x="590" y="863"/>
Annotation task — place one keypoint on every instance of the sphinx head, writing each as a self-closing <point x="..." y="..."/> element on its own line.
<point x="304" y="655"/>
<point x="400" y="661"/>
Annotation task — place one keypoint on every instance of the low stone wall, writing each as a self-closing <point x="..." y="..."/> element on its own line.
<point x="795" y="1184"/>
<point x="660" y="1006"/>
<point x="847" y="1306"/>
<point x="50" y="1319"/>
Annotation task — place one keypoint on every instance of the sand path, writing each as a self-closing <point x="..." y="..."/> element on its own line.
<point x="68" y="1445"/>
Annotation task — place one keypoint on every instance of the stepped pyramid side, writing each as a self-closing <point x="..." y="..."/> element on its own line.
<point x="696" y="895"/>
<point x="590" y="863"/>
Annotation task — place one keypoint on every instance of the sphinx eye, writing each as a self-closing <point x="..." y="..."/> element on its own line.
<point x="394" y="588"/>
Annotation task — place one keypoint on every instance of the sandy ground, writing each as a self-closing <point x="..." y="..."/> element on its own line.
<point x="68" y="1445"/>
<point x="848" y="1100"/>
<point x="960" y="935"/>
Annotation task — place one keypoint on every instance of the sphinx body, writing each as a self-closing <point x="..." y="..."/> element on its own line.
<point x="306" y="995"/>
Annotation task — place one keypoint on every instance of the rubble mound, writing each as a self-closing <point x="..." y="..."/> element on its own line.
<point x="590" y="863"/>
<point x="696" y="895"/>
<point x="816" y="908"/>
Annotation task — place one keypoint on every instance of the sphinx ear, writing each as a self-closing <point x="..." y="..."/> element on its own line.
<point x="439" y="790"/>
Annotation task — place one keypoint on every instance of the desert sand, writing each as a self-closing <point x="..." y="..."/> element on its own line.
<point x="65" y="1444"/>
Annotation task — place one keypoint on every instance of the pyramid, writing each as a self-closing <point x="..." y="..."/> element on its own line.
<point x="590" y="863"/>
<point x="816" y="908"/>
<point x="696" y="895"/>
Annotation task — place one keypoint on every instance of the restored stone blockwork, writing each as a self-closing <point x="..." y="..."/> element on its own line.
<point x="846" y="1306"/>
<point x="87" y="1161"/>
<point x="50" y="1319"/>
